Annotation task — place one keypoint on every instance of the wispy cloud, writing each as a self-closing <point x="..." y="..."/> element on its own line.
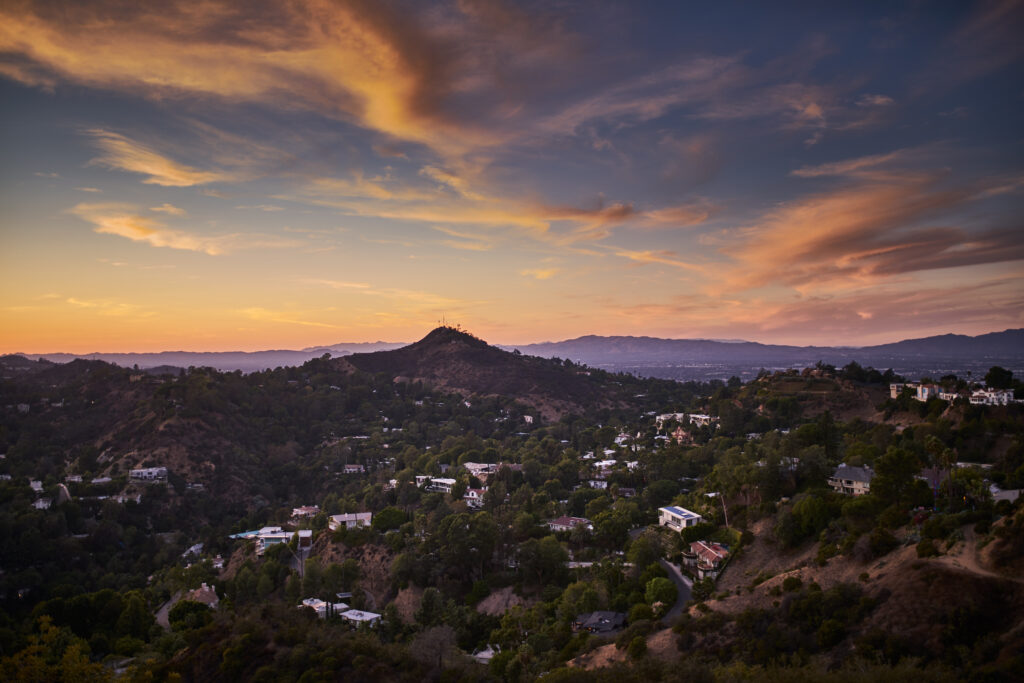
<point x="41" y="174"/>
<point x="124" y="221"/>
<point x="168" y="209"/>
<point x="88" y="189"/>
<point x="123" y="154"/>
<point x="286" y="317"/>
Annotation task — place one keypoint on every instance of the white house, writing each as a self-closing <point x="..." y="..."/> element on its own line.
<point x="360" y="617"/>
<point x="305" y="511"/>
<point x="354" y="469"/>
<point x="678" y="518"/>
<point x="149" y="474"/>
<point x="569" y="523"/>
<point x="442" y="484"/>
<point x="991" y="397"/>
<point x="324" y="609"/>
<point x="475" y="497"/>
<point x="350" y="520"/>
<point x="926" y="391"/>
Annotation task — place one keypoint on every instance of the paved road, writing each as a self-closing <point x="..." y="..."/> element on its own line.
<point x="683" y="585"/>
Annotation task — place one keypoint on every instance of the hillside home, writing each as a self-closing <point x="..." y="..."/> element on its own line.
<point x="42" y="504"/>
<point x="359" y="617"/>
<point x="149" y="474"/>
<point x="440" y="484"/>
<point x="991" y="397"/>
<point x="706" y="558"/>
<point x="305" y="511"/>
<point x="350" y="520"/>
<point x="36" y="485"/>
<point x="205" y="595"/>
<point x="324" y="609"/>
<point x="478" y="469"/>
<point x="678" y="518"/>
<point x="854" y="481"/>
<point x="353" y="469"/>
<point x="569" y="523"/>
<point x="895" y="389"/>
<point x="926" y="391"/>
<point x="475" y="498"/>
<point x="599" y="622"/>
<point x="704" y="420"/>
<point x="265" y="537"/>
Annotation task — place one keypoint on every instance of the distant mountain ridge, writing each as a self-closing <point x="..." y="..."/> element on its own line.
<point x="648" y="355"/>
<point x="592" y="349"/>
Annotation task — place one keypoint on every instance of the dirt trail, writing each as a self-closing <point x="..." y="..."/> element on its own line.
<point x="964" y="555"/>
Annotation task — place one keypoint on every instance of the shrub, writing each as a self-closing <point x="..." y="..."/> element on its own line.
<point x="926" y="548"/>
<point x="637" y="647"/>
<point x="791" y="583"/>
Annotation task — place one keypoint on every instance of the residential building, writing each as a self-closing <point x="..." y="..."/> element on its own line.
<point x="324" y="609"/>
<point x="678" y="518"/>
<point x="991" y="397"/>
<point x="706" y="559"/>
<point x="353" y="469"/>
<point x="475" y="498"/>
<point x="204" y="594"/>
<point x="924" y="392"/>
<point x="42" y="504"/>
<point x="266" y="537"/>
<point x="855" y="481"/>
<point x="360" y="617"/>
<point x="350" y="520"/>
<point x="441" y="484"/>
<point x="149" y="474"/>
<point x="569" y="523"/>
<point x="305" y="511"/>
<point x="599" y="622"/>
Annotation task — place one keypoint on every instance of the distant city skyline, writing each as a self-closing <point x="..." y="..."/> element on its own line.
<point x="282" y="175"/>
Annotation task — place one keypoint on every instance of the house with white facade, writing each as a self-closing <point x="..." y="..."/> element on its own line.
<point x="678" y="518"/>
<point x="991" y="397"/>
<point x="569" y="523"/>
<point x="324" y="609"/>
<point x="474" y="498"/>
<point x="148" y="474"/>
<point x="350" y="520"/>
<point x="359" y="617"/>
<point x="853" y="481"/>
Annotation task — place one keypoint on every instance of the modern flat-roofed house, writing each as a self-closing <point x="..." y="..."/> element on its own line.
<point x="926" y="391"/>
<point x="350" y="520"/>
<point x="678" y="518"/>
<point x="149" y="474"/>
<point x="569" y="523"/>
<point x="441" y="484"/>
<point x="353" y="469"/>
<point x="854" y="481"/>
<point x="305" y="511"/>
<point x="324" y="609"/>
<point x="359" y="617"/>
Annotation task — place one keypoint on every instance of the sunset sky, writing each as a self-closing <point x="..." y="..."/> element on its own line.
<point x="252" y="175"/>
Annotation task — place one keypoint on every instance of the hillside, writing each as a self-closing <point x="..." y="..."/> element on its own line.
<point x="456" y="361"/>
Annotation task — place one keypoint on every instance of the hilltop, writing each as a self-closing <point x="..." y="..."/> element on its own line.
<point x="454" y="360"/>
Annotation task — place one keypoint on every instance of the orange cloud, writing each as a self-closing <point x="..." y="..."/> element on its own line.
<point x="123" y="154"/>
<point x="123" y="220"/>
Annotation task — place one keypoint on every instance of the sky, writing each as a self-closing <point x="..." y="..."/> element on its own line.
<point x="290" y="173"/>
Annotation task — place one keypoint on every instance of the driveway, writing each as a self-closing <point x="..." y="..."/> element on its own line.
<point x="683" y="585"/>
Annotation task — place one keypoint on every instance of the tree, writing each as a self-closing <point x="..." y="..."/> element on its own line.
<point x="434" y="645"/>
<point x="894" y="474"/>
<point x="999" y="378"/>
<point x="660" y="590"/>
